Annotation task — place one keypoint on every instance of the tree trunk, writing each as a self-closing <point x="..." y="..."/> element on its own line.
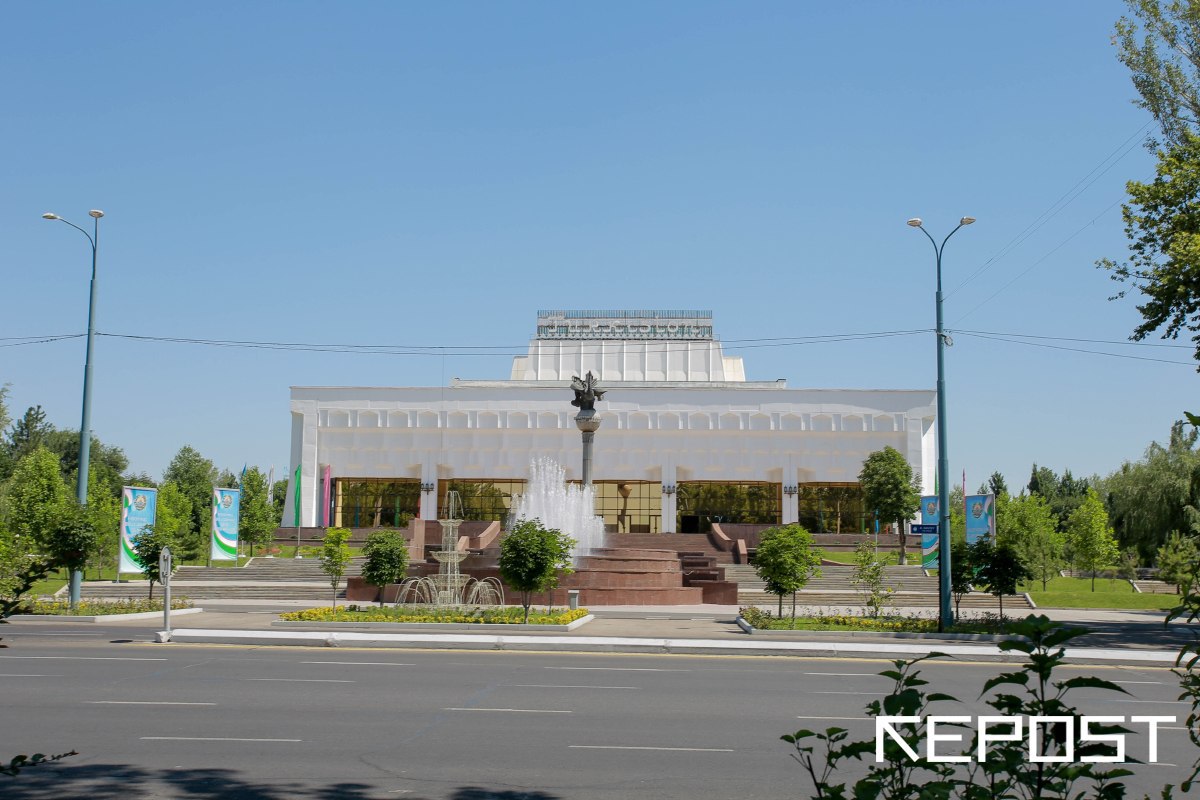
<point x="1001" y="606"/>
<point x="793" y="610"/>
<point x="903" y="557"/>
<point x="526" y="598"/>
<point x="335" y="585"/>
<point x="780" y="614"/>
<point x="151" y="590"/>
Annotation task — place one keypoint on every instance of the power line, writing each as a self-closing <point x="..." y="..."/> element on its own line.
<point x="8" y="341"/>
<point x="1074" y="339"/>
<point x="1058" y="205"/>
<point x="1192" y="364"/>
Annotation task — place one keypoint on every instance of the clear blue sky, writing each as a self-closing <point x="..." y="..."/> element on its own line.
<point x="432" y="174"/>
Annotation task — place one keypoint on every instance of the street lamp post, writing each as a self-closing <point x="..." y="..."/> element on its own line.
<point x="85" y="425"/>
<point x="945" y="611"/>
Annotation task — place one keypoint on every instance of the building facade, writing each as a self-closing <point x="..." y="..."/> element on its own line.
<point x="685" y="439"/>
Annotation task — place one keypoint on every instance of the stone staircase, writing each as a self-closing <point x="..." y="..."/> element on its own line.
<point x="261" y="578"/>
<point x="679" y="542"/>
<point x="913" y="589"/>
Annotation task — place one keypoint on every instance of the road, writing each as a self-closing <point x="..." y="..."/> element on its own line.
<point x="203" y="721"/>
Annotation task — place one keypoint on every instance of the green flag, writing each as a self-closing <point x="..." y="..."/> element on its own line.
<point x="296" y="497"/>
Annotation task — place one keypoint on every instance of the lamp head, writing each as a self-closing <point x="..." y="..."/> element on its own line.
<point x="49" y="215"/>
<point x="97" y="213"/>
<point x="915" y="222"/>
<point x="966" y="220"/>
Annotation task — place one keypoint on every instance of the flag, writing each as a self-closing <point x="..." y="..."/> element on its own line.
<point x="271" y="486"/>
<point x="242" y="480"/>
<point x="296" y="498"/>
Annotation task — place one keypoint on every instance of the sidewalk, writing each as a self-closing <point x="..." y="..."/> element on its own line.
<point x="706" y="629"/>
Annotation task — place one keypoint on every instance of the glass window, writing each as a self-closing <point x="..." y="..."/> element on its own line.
<point x="834" y="508"/>
<point x="629" y="506"/>
<point x="482" y="500"/>
<point x="701" y="503"/>
<point x="375" y="502"/>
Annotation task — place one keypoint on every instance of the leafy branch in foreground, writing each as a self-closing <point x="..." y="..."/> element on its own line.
<point x="19" y="763"/>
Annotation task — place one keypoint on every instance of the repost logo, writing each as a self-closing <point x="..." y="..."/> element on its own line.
<point x="1030" y="730"/>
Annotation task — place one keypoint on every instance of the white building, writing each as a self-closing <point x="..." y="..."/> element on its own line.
<point x="685" y="439"/>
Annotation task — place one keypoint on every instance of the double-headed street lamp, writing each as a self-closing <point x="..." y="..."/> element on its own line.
<point x="85" y="426"/>
<point x="945" y="612"/>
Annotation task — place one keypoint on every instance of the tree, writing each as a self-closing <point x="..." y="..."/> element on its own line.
<point x="1090" y="540"/>
<point x="37" y="498"/>
<point x="1027" y="524"/>
<point x="999" y="568"/>
<point x="868" y="577"/>
<point x="104" y="510"/>
<point x="785" y="560"/>
<point x="531" y="558"/>
<point x="195" y="476"/>
<point x="148" y="546"/>
<point x="962" y="573"/>
<point x="279" y="497"/>
<point x="891" y="489"/>
<point x="335" y="557"/>
<point x="27" y="433"/>
<point x="386" y="561"/>
<point x="73" y="539"/>
<point x="1179" y="562"/>
<point x="996" y="485"/>
<point x="256" y="517"/>
<point x="1164" y="63"/>
<point x="173" y="516"/>
<point x="1127" y="567"/>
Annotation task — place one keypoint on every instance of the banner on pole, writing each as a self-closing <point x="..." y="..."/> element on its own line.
<point x="929" y="545"/>
<point x="929" y="509"/>
<point x="981" y="517"/>
<point x="225" y="504"/>
<point x="296" y="499"/>
<point x="137" y="511"/>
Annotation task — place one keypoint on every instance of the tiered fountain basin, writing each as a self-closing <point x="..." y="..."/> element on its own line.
<point x="612" y="576"/>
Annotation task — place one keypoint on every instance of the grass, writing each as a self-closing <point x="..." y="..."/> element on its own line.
<point x="58" y="579"/>
<point x="1077" y="593"/>
<point x="847" y="556"/>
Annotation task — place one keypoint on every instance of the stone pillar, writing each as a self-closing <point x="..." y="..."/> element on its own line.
<point x="588" y="423"/>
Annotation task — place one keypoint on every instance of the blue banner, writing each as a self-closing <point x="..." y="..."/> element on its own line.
<point x="981" y="517"/>
<point x="929" y="544"/>
<point x="225" y="504"/>
<point x="929" y="510"/>
<point x="137" y="512"/>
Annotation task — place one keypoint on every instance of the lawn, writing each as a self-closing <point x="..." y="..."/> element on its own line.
<point x="847" y="556"/>
<point x="1077" y="593"/>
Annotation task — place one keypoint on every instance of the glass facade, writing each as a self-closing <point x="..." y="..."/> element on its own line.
<point x="482" y="500"/>
<point x="629" y="506"/>
<point x="701" y="503"/>
<point x="834" y="508"/>
<point x="375" y="502"/>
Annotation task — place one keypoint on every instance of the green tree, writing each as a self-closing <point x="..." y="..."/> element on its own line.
<point x="1158" y="46"/>
<point x="28" y="433"/>
<point x="999" y="568"/>
<point x="891" y="489"/>
<point x="532" y="557"/>
<point x="1090" y="540"/>
<point x="1027" y="524"/>
<point x="996" y="485"/>
<point x="173" y="517"/>
<point x="148" y="546"/>
<point x="279" y="497"/>
<point x="962" y="573"/>
<point x="1127" y="566"/>
<point x="785" y="560"/>
<point x="1178" y="562"/>
<point x="256" y="516"/>
<point x="104" y="510"/>
<point x="869" y="577"/>
<point x="73" y="540"/>
<point x="195" y="476"/>
<point x="386" y="553"/>
<point x="36" y="500"/>
<point x="335" y="557"/>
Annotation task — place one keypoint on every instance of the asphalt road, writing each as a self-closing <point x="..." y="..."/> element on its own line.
<point x="192" y="721"/>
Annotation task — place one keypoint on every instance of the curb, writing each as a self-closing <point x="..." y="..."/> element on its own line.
<point x="796" y="635"/>
<point x="418" y="627"/>
<point x="104" y="617"/>
<point x="619" y="644"/>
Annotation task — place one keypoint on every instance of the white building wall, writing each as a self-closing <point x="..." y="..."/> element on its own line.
<point x="491" y="430"/>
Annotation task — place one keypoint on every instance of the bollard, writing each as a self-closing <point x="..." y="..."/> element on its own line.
<point x="573" y="599"/>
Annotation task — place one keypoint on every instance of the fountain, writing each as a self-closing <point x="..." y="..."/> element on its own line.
<point x="560" y="505"/>
<point x="450" y="588"/>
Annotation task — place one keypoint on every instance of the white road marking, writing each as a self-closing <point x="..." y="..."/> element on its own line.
<point x="1156" y="683"/>
<point x="562" y="686"/>
<point x="670" y="749"/>
<point x="1166" y="702"/>
<point x="56" y="633"/>
<point x="621" y="669"/>
<point x="210" y="739"/>
<point x="519" y="710"/>
<point x="85" y="658"/>
<point x="363" y="663"/>
<point x="20" y="675"/>
<point x="844" y="719"/>
<point x="844" y="674"/>
<point x="835" y="692"/>
<point x="142" y="703"/>
<point x="300" y="680"/>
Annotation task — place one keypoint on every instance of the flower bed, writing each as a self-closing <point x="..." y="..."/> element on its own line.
<point x="764" y="620"/>
<point x="99" y="608"/>
<point x="479" y="616"/>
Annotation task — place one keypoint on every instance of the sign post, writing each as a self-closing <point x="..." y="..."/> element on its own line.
<point x="164" y="576"/>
